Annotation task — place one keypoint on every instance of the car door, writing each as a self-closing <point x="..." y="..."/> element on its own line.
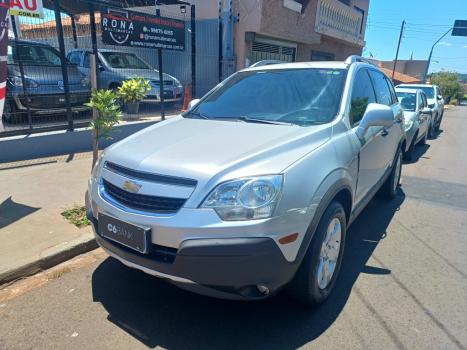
<point x="370" y="170"/>
<point x="423" y="119"/>
<point x="386" y="95"/>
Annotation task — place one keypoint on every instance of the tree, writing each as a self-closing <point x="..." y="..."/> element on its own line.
<point x="105" y="103"/>
<point x="448" y="82"/>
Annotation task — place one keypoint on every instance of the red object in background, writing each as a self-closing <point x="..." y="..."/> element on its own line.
<point x="4" y="6"/>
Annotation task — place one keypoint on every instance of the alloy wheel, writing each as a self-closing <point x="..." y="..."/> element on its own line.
<point x="329" y="253"/>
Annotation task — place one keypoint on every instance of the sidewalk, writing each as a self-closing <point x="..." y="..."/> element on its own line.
<point x="33" y="234"/>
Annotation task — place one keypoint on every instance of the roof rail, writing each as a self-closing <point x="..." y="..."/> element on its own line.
<point x="356" y="58"/>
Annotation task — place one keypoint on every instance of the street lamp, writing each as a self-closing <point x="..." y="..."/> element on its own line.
<point x="459" y="29"/>
<point x="431" y="53"/>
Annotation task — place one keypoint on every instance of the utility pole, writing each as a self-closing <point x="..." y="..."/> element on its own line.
<point x="397" y="52"/>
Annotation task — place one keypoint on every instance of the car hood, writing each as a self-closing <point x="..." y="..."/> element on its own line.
<point x="213" y="150"/>
<point x="150" y="74"/>
<point x="47" y="75"/>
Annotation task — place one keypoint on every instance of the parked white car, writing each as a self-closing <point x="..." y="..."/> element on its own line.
<point x="435" y="100"/>
<point x="253" y="189"/>
<point x="417" y="118"/>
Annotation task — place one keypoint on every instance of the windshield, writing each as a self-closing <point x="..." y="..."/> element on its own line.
<point x="408" y="100"/>
<point x="428" y="90"/>
<point x="299" y="96"/>
<point x="33" y="55"/>
<point x="124" y="60"/>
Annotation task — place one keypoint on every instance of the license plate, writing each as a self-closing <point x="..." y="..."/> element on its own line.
<point x="131" y="236"/>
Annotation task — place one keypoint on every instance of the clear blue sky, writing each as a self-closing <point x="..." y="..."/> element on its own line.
<point x="426" y="21"/>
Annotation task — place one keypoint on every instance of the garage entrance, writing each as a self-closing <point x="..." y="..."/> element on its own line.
<point x="271" y="50"/>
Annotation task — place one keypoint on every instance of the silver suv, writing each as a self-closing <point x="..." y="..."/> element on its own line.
<point x="253" y="188"/>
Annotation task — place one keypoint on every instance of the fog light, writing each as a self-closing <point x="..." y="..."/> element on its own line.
<point x="262" y="289"/>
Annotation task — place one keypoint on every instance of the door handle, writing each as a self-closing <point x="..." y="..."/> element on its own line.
<point x="384" y="133"/>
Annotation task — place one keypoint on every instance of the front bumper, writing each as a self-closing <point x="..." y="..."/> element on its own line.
<point x="45" y="104"/>
<point x="229" y="268"/>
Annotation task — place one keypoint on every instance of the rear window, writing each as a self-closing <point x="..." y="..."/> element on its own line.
<point x="428" y="90"/>
<point x="408" y="100"/>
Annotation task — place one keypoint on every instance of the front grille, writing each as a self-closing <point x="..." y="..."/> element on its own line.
<point x="166" y="82"/>
<point x="53" y="101"/>
<point x="168" y="94"/>
<point x="142" y="201"/>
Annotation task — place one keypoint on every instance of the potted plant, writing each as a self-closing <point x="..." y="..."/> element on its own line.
<point x="131" y="92"/>
<point x="106" y="115"/>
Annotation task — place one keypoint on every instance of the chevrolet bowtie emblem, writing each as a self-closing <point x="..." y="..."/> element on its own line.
<point x="131" y="186"/>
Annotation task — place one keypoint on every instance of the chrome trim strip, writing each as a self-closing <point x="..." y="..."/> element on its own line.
<point x="141" y="175"/>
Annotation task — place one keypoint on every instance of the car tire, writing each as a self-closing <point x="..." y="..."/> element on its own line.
<point x="431" y="131"/>
<point x="408" y="155"/>
<point x="314" y="282"/>
<point x="10" y="113"/>
<point x="389" y="188"/>
<point x="438" y="124"/>
<point x="424" y="139"/>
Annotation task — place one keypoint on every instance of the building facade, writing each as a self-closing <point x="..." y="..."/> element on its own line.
<point x="287" y="30"/>
<point x="305" y="30"/>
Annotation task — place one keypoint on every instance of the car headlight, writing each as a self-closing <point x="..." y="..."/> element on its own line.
<point x="84" y="82"/>
<point x="17" y="81"/>
<point x="245" y="199"/>
<point x="95" y="170"/>
<point x="408" y="124"/>
<point x="178" y="83"/>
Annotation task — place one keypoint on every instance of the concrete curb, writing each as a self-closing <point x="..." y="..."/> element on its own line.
<point x="52" y="257"/>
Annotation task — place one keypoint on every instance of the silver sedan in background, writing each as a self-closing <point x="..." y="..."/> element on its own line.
<point x="418" y="118"/>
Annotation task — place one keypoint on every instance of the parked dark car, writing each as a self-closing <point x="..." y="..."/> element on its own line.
<point x="117" y="66"/>
<point x="43" y="81"/>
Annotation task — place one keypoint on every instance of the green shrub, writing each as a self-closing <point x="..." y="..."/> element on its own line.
<point x="105" y="102"/>
<point x="453" y="102"/>
<point x="133" y="90"/>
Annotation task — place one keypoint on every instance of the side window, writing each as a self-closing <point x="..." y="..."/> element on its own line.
<point x="392" y="91"/>
<point x="75" y="57"/>
<point x="421" y="103"/>
<point x="383" y="94"/>
<point x="362" y="94"/>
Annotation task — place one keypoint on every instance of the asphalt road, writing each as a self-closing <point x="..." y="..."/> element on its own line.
<point x="403" y="284"/>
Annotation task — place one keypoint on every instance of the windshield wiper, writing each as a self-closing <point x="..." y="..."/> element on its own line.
<point x="261" y="121"/>
<point x="198" y="115"/>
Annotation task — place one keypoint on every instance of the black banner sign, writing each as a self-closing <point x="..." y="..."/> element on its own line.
<point x="128" y="28"/>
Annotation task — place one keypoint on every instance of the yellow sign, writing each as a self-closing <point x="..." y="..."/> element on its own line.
<point x="27" y="8"/>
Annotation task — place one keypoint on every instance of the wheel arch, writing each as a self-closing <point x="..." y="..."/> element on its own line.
<point x="340" y="190"/>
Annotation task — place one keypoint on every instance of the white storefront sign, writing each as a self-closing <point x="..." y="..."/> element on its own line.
<point x="27" y="8"/>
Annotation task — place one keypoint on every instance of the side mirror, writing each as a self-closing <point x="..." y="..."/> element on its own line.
<point x="426" y="110"/>
<point x="439" y="97"/>
<point x="100" y="67"/>
<point x="193" y="103"/>
<point x="375" y="115"/>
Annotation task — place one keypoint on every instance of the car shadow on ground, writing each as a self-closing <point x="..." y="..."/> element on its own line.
<point x="159" y="314"/>
<point x="418" y="152"/>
